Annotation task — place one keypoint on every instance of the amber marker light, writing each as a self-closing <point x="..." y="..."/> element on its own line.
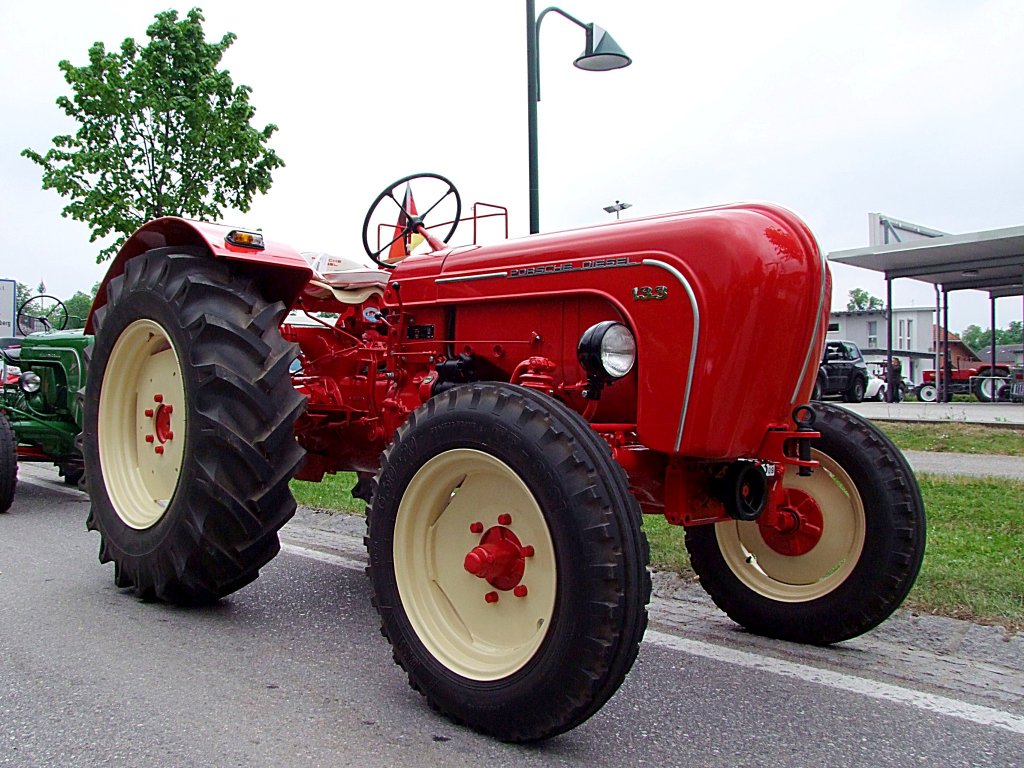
<point x="245" y="239"/>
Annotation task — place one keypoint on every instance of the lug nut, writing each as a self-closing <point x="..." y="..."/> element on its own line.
<point x="149" y="438"/>
<point x="158" y="398"/>
<point x="148" y="412"/>
<point x="476" y="528"/>
<point x="159" y="449"/>
<point x="520" y="591"/>
<point x="527" y="551"/>
<point x="491" y="597"/>
<point x="505" y="519"/>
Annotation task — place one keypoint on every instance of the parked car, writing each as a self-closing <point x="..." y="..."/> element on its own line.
<point x="878" y="386"/>
<point x="875" y="389"/>
<point x="842" y="372"/>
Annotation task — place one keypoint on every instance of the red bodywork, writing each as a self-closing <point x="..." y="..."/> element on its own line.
<point x="729" y="307"/>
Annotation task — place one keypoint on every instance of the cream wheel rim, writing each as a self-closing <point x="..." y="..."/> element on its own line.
<point x="817" y="572"/>
<point x="141" y="425"/>
<point x="454" y="504"/>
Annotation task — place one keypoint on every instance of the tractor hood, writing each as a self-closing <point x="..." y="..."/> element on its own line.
<point x="729" y="306"/>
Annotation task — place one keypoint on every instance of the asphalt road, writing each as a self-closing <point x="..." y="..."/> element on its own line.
<point x="292" y="671"/>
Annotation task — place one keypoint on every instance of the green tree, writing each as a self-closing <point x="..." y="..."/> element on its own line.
<point x="860" y="300"/>
<point x="163" y="132"/>
<point x="980" y="339"/>
<point x="78" y="307"/>
<point x="22" y="293"/>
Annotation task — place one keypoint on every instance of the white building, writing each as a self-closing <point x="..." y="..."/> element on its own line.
<point x="913" y="336"/>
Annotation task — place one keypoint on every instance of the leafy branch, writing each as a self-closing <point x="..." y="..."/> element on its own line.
<point x="162" y="132"/>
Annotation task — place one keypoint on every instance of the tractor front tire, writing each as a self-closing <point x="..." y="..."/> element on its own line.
<point x="8" y="464"/>
<point x="188" y="437"/>
<point x="850" y="561"/>
<point x="507" y="561"/>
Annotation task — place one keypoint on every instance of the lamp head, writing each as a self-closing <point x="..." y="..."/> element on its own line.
<point x="602" y="52"/>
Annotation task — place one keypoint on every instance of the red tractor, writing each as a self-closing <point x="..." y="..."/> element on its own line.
<point x="984" y="382"/>
<point x="511" y="410"/>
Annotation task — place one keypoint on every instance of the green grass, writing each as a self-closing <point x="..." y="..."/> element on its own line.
<point x="668" y="552"/>
<point x="954" y="437"/>
<point x="974" y="564"/>
<point x="333" y="493"/>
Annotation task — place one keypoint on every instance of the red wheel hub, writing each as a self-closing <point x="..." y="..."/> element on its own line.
<point x="163" y="423"/>
<point x="499" y="558"/>
<point x="796" y="526"/>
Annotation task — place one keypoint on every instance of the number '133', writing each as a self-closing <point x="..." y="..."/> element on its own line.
<point x="648" y="293"/>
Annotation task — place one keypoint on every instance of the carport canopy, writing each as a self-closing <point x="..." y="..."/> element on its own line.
<point x="990" y="261"/>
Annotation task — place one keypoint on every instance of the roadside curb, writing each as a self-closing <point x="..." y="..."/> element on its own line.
<point x="991" y="414"/>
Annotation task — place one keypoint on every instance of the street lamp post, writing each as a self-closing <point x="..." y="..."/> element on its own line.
<point x="617" y="208"/>
<point x="602" y="53"/>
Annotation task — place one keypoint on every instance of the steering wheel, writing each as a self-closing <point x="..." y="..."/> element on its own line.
<point x="399" y="223"/>
<point x="45" y="310"/>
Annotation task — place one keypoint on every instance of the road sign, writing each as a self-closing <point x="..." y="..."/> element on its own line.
<point x="8" y="297"/>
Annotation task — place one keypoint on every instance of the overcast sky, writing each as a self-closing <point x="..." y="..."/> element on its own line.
<point x="832" y="109"/>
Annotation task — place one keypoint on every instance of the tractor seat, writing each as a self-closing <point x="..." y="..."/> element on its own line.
<point x="350" y="282"/>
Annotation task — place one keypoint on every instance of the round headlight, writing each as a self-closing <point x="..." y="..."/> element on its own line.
<point x="607" y="350"/>
<point x="30" y="382"/>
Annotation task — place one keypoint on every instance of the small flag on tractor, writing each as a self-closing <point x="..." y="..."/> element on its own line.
<point x="405" y="242"/>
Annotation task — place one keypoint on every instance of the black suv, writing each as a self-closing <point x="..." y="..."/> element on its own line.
<point x="842" y="372"/>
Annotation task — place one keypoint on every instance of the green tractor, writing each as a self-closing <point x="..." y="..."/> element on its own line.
<point x="40" y="416"/>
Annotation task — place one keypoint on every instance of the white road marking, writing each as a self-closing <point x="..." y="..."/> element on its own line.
<point x="928" y="702"/>
<point x="871" y="688"/>
<point x="48" y="484"/>
<point x="324" y="557"/>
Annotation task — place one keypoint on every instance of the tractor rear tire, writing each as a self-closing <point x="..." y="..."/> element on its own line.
<point x="8" y="464"/>
<point x="188" y="437"/>
<point x="536" y="649"/>
<point x="987" y="389"/>
<point x="871" y="537"/>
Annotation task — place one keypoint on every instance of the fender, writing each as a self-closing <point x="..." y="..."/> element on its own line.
<point x="280" y="270"/>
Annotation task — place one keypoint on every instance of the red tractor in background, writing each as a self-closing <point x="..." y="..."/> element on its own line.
<point x="985" y="382"/>
<point x="511" y="409"/>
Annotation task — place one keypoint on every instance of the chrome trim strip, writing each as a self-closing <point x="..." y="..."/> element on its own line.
<point x="467" y="278"/>
<point x="808" y="361"/>
<point x="696" y="334"/>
